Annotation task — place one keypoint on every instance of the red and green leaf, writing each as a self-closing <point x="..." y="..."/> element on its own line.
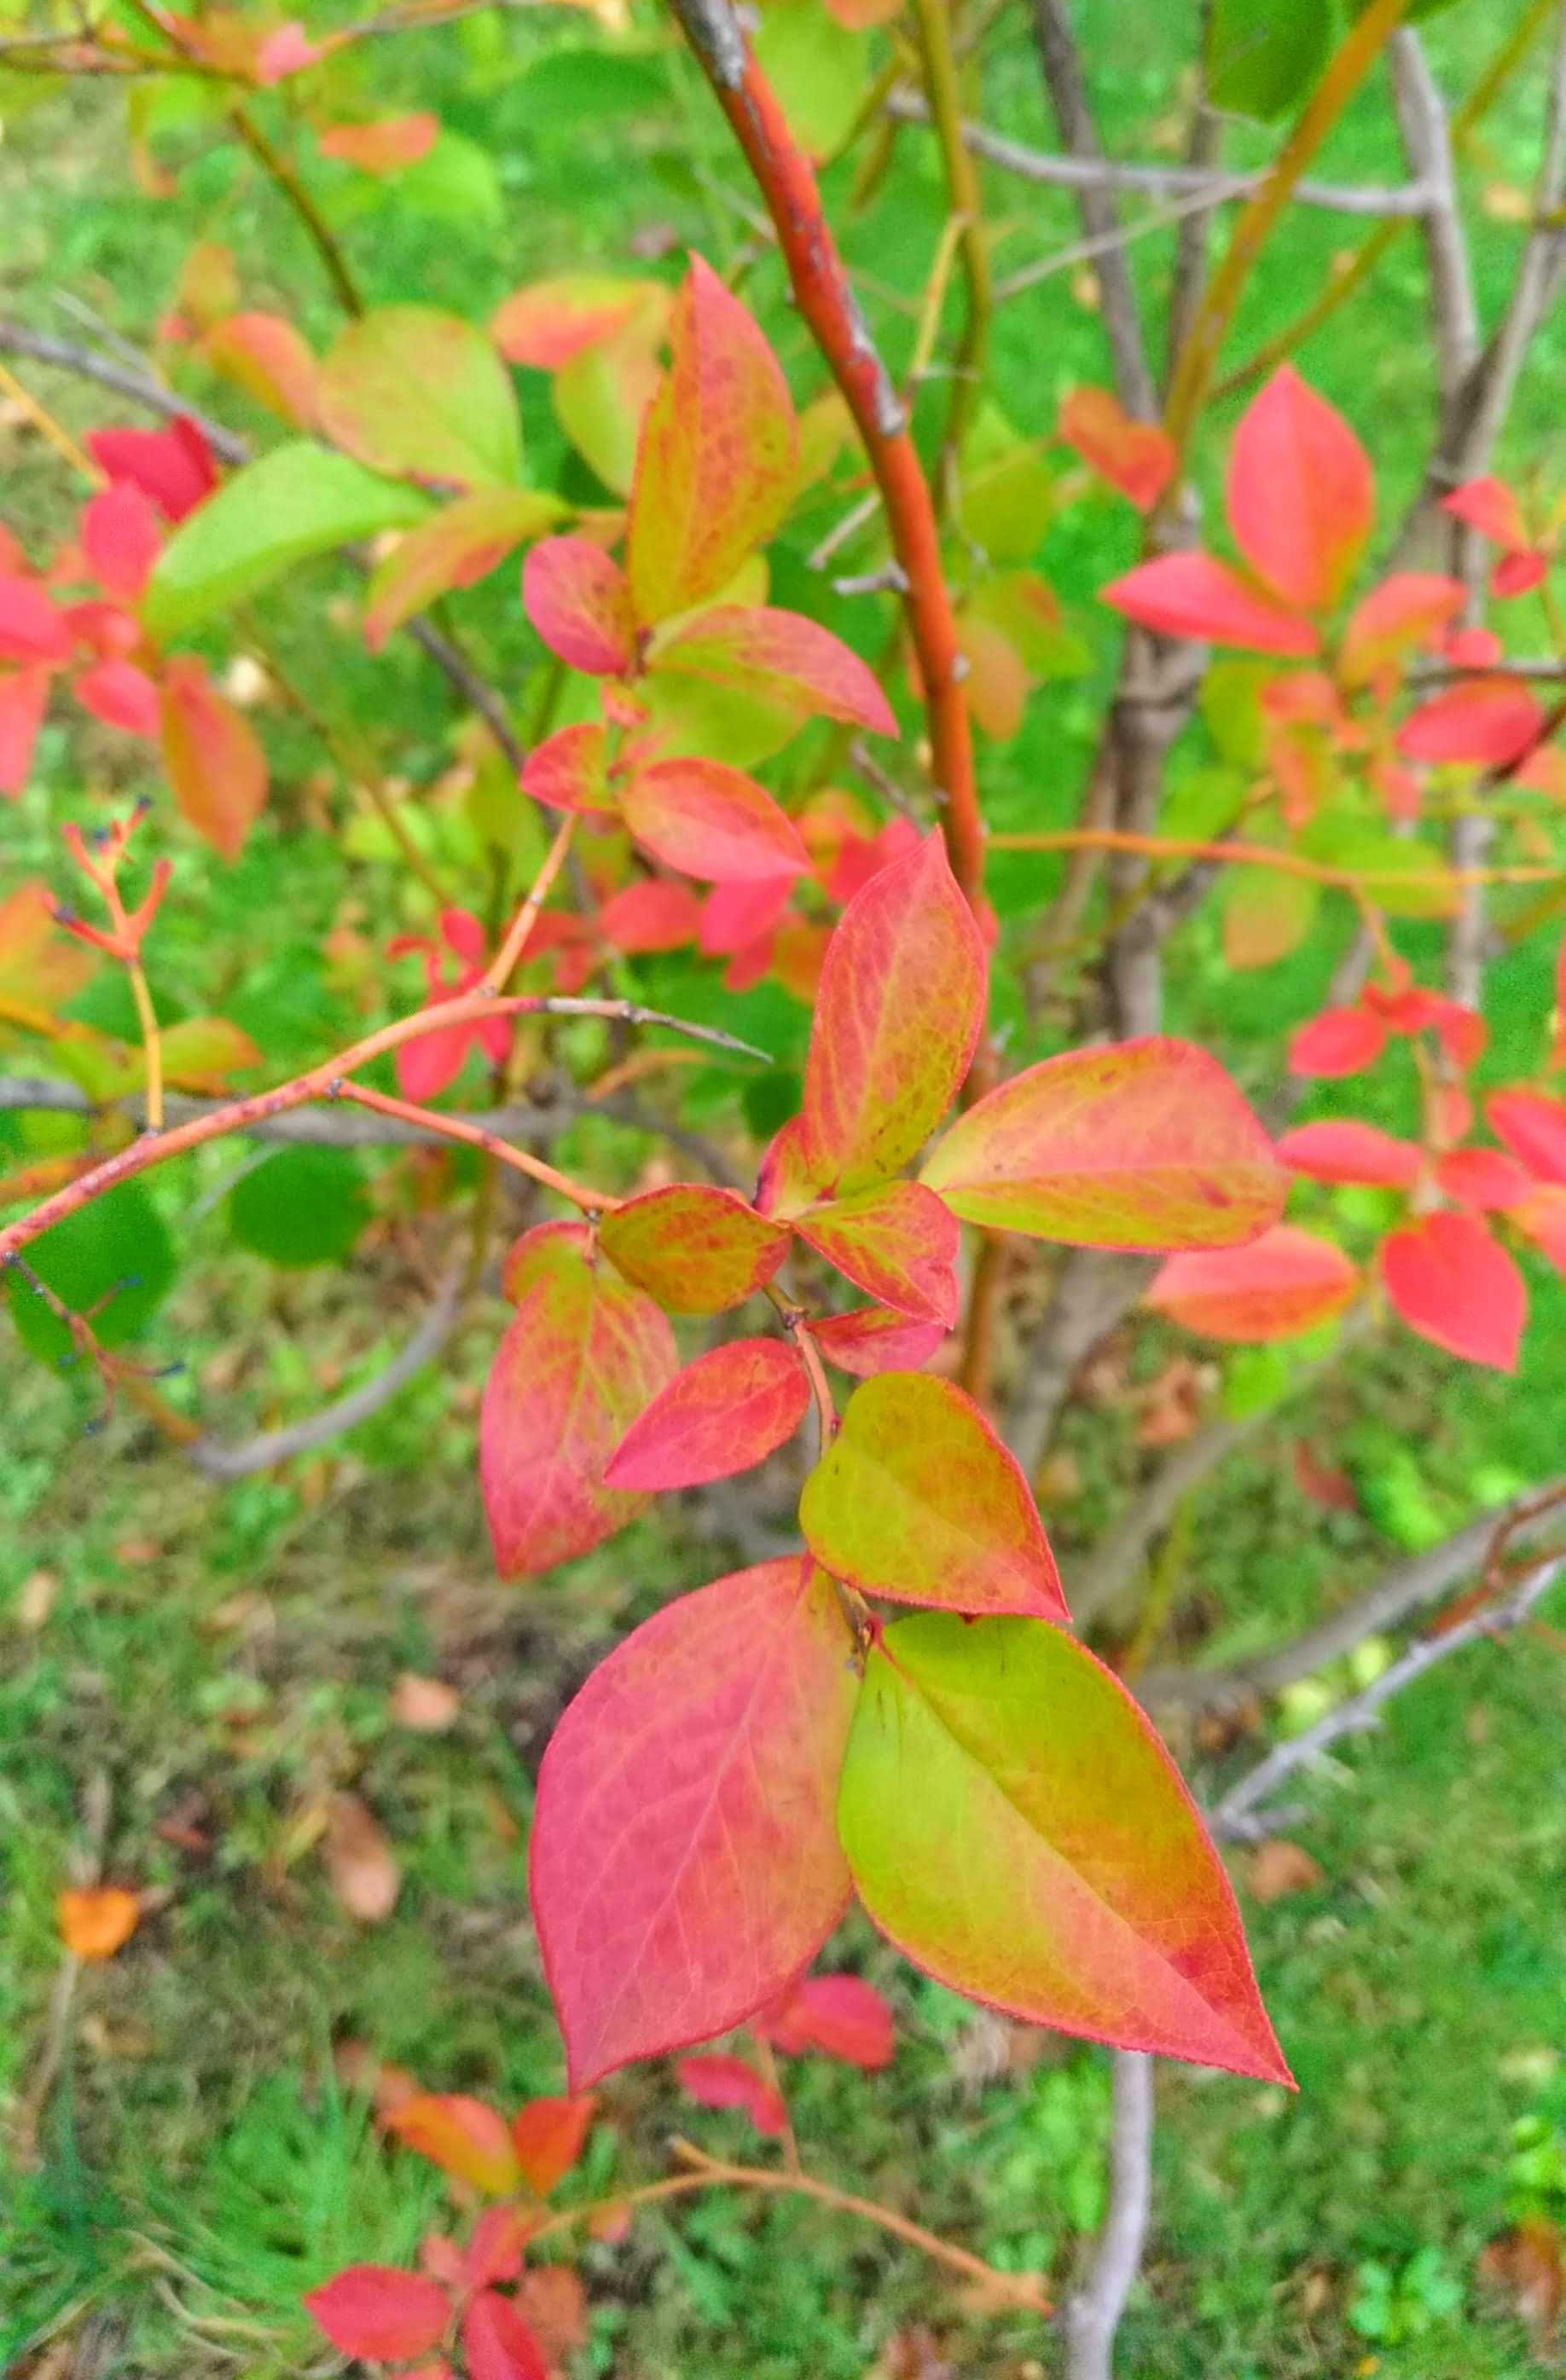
<point x="548" y="322"/>
<point x="697" y="1249"/>
<point x="873" y="1339"/>
<point x="461" y="544"/>
<point x="711" y="821"/>
<point x="267" y="357"/>
<point x="898" y="1242"/>
<point x="1137" y="458"/>
<point x="214" y="764"/>
<point x="777" y="657"/>
<point x="576" y="597"/>
<point x="411" y="391"/>
<point x="548" y="2135"/>
<point x="1406" y="611"/>
<point x="570" y="770"/>
<point x="724" y="1414"/>
<point x="461" y="2135"/>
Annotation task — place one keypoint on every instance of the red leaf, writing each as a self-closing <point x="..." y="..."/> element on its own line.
<point x="712" y="821"/>
<point x="24" y="697"/>
<point x="872" y="1340"/>
<point x="1488" y="721"/>
<point x="1137" y="458"/>
<point x="121" y="695"/>
<point x="1287" y="1282"/>
<point x="724" y="1414"/>
<point x="697" y="1249"/>
<point x="1449" y="1282"/>
<point x="898" y="1242"/>
<point x="577" y="599"/>
<point x="30" y="628"/>
<point x="917" y="1500"/>
<point x="497" y="2343"/>
<point x="1144" y="1145"/>
<point x="1192" y="595"/>
<point x="216" y="767"/>
<point x="384" y="147"/>
<point x="1490" y="506"/>
<point x="1340" y="1041"/>
<point x="120" y="539"/>
<point x="583" y="1356"/>
<point x="720" y="2081"/>
<point x="174" y="467"/>
<point x="549" y="2136"/>
<point x="1483" y="1177"/>
<point x="1534" y="1128"/>
<point x="778" y="657"/>
<point x="685" y="1861"/>
<point x="898" y="1014"/>
<point x="270" y="360"/>
<point x="547" y="324"/>
<point x="1300" y="493"/>
<point x="718" y="462"/>
<point x="494" y="2248"/>
<point x="1408" y="610"/>
<point x="1351" y="1152"/>
<point x="569" y="769"/>
<point x="1518" y="574"/>
<point x="735" y="915"/>
<point x="461" y="2135"/>
<point x="840" y="2015"/>
<point x="379" y="2315"/>
<point x="1542" y="1220"/>
<point x="650" y="915"/>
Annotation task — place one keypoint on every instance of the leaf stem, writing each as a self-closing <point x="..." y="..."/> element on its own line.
<point x="472" y="1136"/>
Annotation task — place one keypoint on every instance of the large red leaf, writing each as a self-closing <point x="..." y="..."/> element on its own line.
<point x="1450" y="1281"/>
<point x="898" y="1242"/>
<point x="30" y="628"/>
<point x="917" y="1500"/>
<point x="725" y="1413"/>
<point x="1137" y="458"/>
<point x="1014" y="1824"/>
<point x="1300" y="493"/>
<point x="1407" y="609"/>
<point x="897" y="1016"/>
<point x="719" y="457"/>
<point x="842" y="2016"/>
<point x="576" y="597"/>
<point x="1534" y="1128"/>
<point x="685" y="1867"/>
<point x="584" y="1354"/>
<point x="778" y="657"/>
<point x="459" y="2134"/>
<point x="570" y="770"/>
<point x="549" y="2136"/>
<point x="1192" y="595"/>
<point x="1144" y="1145"/>
<point x="872" y="1338"/>
<point x="697" y="1249"/>
<point x="215" y="765"/>
<point x="1486" y="721"/>
<point x="497" y="2344"/>
<point x="1331" y="1151"/>
<point x="379" y="2315"/>
<point x="1287" y="1282"/>
<point x="710" y="821"/>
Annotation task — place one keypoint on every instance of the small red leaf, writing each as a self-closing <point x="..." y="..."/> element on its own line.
<point x="1534" y="1128"/>
<point x="1137" y="458"/>
<point x="650" y="915"/>
<point x="1486" y="721"/>
<point x="778" y="657"/>
<point x="30" y="628"/>
<point x="1408" y="610"/>
<point x="1490" y="506"/>
<point x="24" y="698"/>
<point x="216" y="767"/>
<point x="1300" y="493"/>
<point x="710" y="821"/>
<point x="1518" y="574"/>
<point x="697" y="1249"/>
<point x="1351" y="1152"/>
<point x="898" y="1242"/>
<point x="120" y="538"/>
<point x="1340" y="1041"/>
<point x="549" y="2136"/>
<point x="174" y="467"/>
<point x="724" y="1414"/>
<point x="872" y="1338"/>
<point x="720" y="2081"/>
<point x="1483" y="1177"/>
<point x="379" y="2315"/>
<point x="1450" y="1281"/>
<point x="121" y="695"/>
<point x="459" y="2134"/>
<point x="1192" y="595"/>
<point x="576" y="597"/>
<point x="497" y="2343"/>
<point x="570" y="770"/>
<point x="685" y="1865"/>
<point x="839" y="2015"/>
<point x="1287" y="1282"/>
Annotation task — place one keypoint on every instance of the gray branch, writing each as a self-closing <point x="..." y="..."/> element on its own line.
<point x="1427" y="139"/>
<point x="1092" y="1291"/>
<point x="1091" y="2315"/>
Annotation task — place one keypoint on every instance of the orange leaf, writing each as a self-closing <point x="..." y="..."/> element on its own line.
<point x="385" y="146"/>
<point x="98" y="1921"/>
<point x="549" y="2136"/>
<point x="270" y="360"/>
<point x="462" y="2136"/>
<point x="215" y="766"/>
<point x="1137" y="458"/>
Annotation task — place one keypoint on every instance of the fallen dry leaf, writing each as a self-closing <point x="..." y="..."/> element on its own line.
<point x="97" y="1921"/>
<point x="1526" y="2265"/>
<point x="1278" y="1868"/>
<point x="360" y="1863"/>
<point x="428" y="1706"/>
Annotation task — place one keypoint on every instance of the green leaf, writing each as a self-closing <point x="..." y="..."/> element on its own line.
<point x="816" y="67"/>
<point x="409" y="389"/>
<point x="112" y="1260"/>
<point x="1404" y="879"/>
<point x="1013" y="1824"/>
<point x="300" y="1206"/>
<point x="300" y="500"/>
<point x="1008" y="488"/>
<point x="457" y="182"/>
<point x="1262" y="59"/>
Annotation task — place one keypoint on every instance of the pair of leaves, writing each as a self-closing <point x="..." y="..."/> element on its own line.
<point x="1005" y="1812"/>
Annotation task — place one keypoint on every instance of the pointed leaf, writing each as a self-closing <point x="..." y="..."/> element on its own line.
<point x="570" y="770"/>
<point x="1300" y="492"/>
<point x="724" y="1414"/>
<point x="1287" y="1282"/>
<point x="576" y="597"/>
<point x="459" y="2134"/>
<point x="1450" y="1281"/>
<point x="385" y="145"/>
<point x="778" y="657"/>
<point x="1351" y="1152"/>
<point x="583" y="1356"/>
<point x="696" y="1249"/>
<point x="710" y="821"/>
<point x="299" y="500"/>
<point x="719" y="453"/>
<point x="685" y="1869"/>
<point x="917" y="1500"/>
<point x="174" y="465"/>
<point x="459" y="545"/>
<point x="651" y="915"/>
<point x="1137" y="458"/>
<point x="1014" y="1824"/>
<point x="1490" y="506"/>
<point x="497" y="2343"/>
<point x="1145" y="1144"/>
<point x="723" y="2082"/>
<point x="122" y="696"/>
<point x="1486" y="721"/>
<point x="1192" y="595"/>
<point x="216" y="767"/>
<point x="379" y="2315"/>
<point x="872" y="1338"/>
<point x="409" y="390"/>
<point x="549" y="2136"/>
<point x="898" y="1242"/>
<point x="1534" y="1128"/>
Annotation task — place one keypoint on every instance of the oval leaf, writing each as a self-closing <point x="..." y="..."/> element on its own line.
<point x="711" y="821"/>
<point x="379" y="2315"/>
<point x="696" y="1249"/>
<point x="1192" y="595"/>
<point x="409" y="390"/>
<point x="1362" y="1153"/>
<point x="725" y="1413"/>
<point x="215" y="766"/>
<point x="549" y="2136"/>
<point x="872" y="1338"/>
<point x="1287" y="1282"/>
